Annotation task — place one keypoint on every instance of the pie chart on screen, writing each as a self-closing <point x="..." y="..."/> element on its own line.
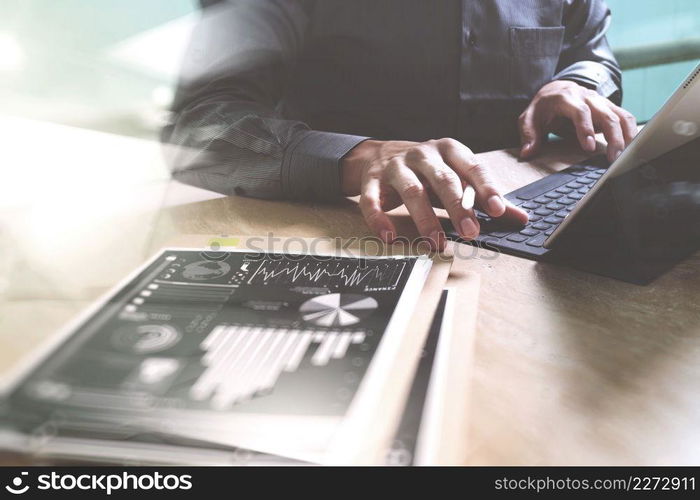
<point x="337" y="309"/>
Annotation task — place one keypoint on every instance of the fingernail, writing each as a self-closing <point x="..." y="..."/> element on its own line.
<point x="468" y="227"/>
<point x="590" y="143"/>
<point x="495" y="205"/>
<point x="468" y="198"/>
<point x="386" y="236"/>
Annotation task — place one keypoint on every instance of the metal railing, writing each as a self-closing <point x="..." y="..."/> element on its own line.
<point x="644" y="56"/>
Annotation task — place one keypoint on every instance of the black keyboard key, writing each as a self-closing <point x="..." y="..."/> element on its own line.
<point x="554" y="195"/>
<point x="541" y="226"/>
<point x="517" y="238"/>
<point x="577" y="171"/>
<point x="566" y="201"/>
<point x="594" y="175"/>
<point x="497" y="234"/>
<point x="537" y="241"/>
<point x="591" y="168"/>
<point x="576" y="196"/>
<point x="586" y="180"/>
<point x="541" y="200"/>
<point x="549" y="233"/>
<point x="554" y="206"/>
<point x="562" y="213"/>
<point x="564" y="190"/>
<point x="530" y="205"/>
<point x="575" y="185"/>
<point x="543" y="212"/>
<point x="542" y="186"/>
<point x="529" y="232"/>
<point x="534" y="218"/>
<point x="553" y="220"/>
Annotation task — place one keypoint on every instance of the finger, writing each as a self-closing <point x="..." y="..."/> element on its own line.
<point x="532" y="133"/>
<point x="463" y="161"/>
<point x="628" y="123"/>
<point x="415" y="197"/>
<point x="446" y="184"/>
<point x="515" y="214"/>
<point x="371" y="208"/>
<point x="610" y="123"/>
<point x="579" y="112"/>
<point x="466" y="164"/>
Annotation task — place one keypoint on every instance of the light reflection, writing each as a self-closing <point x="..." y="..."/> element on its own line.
<point x="11" y="54"/>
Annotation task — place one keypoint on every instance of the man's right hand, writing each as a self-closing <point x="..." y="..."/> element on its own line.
<point x="387" y="174"/>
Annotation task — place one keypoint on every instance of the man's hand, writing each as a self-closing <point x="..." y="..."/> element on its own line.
<point x="588" y="111"/>
<point x="387" y="174"/>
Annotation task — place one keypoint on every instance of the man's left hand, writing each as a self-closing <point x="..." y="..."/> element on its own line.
<point x="588" y="111"/>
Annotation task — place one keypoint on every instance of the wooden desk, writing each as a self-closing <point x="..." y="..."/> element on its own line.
<point x="569" y="368"/>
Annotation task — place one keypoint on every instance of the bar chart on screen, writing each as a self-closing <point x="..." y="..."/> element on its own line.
<point x="242" y="361"/>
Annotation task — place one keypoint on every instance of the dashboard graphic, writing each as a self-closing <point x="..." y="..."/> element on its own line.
<point x="244" y="361"/>
<point x="240" y="332"/>
<point x="337" y="309"/>
<point x="369" y="275"/>
<point x="146" y="338"/>
<point x="205" y="270"/>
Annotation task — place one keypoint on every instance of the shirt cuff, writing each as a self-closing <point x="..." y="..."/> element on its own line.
<point x="311" y="165"/>
<point x="592" y="75"/>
